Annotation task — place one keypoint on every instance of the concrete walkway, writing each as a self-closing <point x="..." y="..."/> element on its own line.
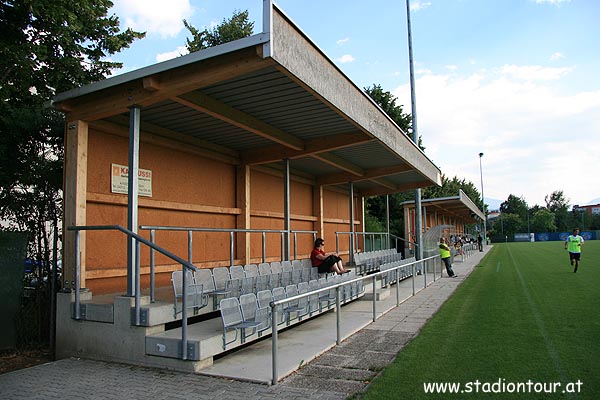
<point x="334" y="372"/>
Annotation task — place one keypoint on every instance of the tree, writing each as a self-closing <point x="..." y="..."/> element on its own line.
<point x="376" y="207"/>
<point x="387" y="101"/>
<point x="543" y="221"/>
<point x="515" y="205"/>
<point x="46" y="46"/>
<point x="559" y="205"/>
<point x="451" y="187"/>
<point x="237" y="27"/>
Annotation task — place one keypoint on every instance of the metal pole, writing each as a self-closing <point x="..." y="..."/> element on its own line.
<point x="274" y="378"/>
<point x="397" y="286"/>
<point x="387" y="219"/>
<point x="190" y="247"/>
<point x="413" y="277"/>
<point x="413" y="102"/>
<point x="352" y="223"/>
<point x="338" y="316"/>
<point x="264" y="246"/>
<point x="286" y="207"/>
<point x="132" y="193"/>
<point x="53" y="284"/>
<point x="483" y="203"/>
<point x="77" y="274"/>
<point x="231" y="254"/>
<point x="152" y="261"/>
<point x="138" y="278"/>
<point x="184" y="316"/>
<point x="374" y="298"/>
<point x="295" y="242"/>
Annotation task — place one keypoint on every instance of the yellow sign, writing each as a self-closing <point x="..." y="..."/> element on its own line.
<point x="119" y="180"/>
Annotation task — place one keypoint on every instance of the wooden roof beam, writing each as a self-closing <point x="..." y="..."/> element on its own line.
<point x="322" y="144"/>
<point x="374" y="173"/>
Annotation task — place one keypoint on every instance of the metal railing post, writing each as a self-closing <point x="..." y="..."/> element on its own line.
<point x="275" y="377"/>
<point x="397" y="286"/>
<point x="295" y="237"/>
<point x="231" y="256"/>
<point x="152" y="261"/>
<point x="77" y="275"/>
<point x="190" y="255"/>
<point x="264" y="246"/>
<point x="413" y="277"/>
<point x="184" y="316"/>
<point x="138" y="286"/>
<point x="374" y="298"/>
<point x="424" y="267"/>
<point x="337" y="243"/>
<point x="338" y="312"/>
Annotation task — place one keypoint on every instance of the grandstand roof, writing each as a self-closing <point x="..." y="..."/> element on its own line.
<point x="257" y="101"/>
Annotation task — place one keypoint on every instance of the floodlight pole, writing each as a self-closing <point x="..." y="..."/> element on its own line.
<point x="483" y="202"/>
<point x="413" y="103"/>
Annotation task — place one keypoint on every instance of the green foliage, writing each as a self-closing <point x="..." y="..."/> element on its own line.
<point x="46" y="46"/>
<point x="373" y="224"/>
<point x="387" y="102"/>
<point x="375" y="206"/>
<point x="237" y="27"/>
<point x="451" y="187"/>
<point x="543" y="221"/>
<point x="558" y="204"/>
<point x="515" y="205"/>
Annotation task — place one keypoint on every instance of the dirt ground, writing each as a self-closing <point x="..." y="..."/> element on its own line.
<point x="13" y="360"/>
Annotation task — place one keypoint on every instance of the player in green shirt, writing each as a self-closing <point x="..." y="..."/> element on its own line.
<point x="573" y="244"/>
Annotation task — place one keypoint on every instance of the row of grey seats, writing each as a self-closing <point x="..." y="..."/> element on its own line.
<point x="370" y="261"/>
<point x="252" y="313"/>
<point x="396" y="275"/>
<point x="237" y="280"/>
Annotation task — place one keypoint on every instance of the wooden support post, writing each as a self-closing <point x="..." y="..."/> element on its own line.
<point x="243" y="219"/>
<point x="75" y="195"/>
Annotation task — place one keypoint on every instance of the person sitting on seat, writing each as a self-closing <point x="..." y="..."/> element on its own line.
<point x="326" y="262"/>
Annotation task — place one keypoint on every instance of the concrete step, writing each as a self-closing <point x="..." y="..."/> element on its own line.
<point x="205" y="339"/>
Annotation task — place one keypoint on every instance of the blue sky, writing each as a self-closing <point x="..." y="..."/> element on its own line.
<point x="515" y="79"/>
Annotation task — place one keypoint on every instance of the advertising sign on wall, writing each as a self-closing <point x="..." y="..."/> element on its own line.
<point x="119" y="180"/>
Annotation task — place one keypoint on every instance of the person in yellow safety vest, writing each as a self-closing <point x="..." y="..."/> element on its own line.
<point x="445" y="256"/>
<point x="573" y="244"/>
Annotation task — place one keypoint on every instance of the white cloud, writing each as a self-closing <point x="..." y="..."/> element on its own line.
<point x="153" y="16"/>
<point x="422" y="71"/>
<point x="180" y="51"/>
<point x="451" y="67"/>
<point x="554" y="2"/>
<point x="534" y="72"/>
<point x="531" y="133"/>
<point x="556" y="56"/>
<point x="346" y="58"/>
<point x="419" y="5"/>
<point x="343" y="41"/>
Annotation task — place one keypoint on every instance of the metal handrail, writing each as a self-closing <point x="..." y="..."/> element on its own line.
<point x="337" y="286"/>
<point x="231" y="231"/>
<point x="139" y="239"/>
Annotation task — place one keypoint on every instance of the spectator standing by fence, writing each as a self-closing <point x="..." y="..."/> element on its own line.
<point x="445" y="256"/>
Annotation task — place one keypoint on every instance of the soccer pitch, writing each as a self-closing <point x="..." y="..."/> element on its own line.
<point x="521" y="326"/>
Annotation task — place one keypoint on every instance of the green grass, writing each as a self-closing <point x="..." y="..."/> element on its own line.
<point x="521" y="315"/>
